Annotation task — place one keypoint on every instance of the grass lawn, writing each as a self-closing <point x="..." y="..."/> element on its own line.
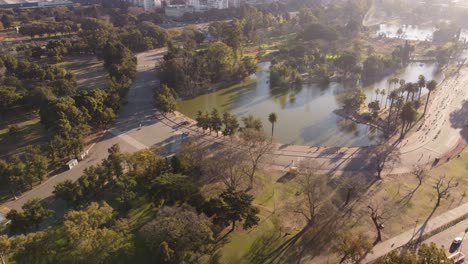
<point x="277" y="42"/>
<point x="252" y="246"/>
<point x="90" y="73"/>
<point x="30" y="132"/>
<point x="393" y="192"/>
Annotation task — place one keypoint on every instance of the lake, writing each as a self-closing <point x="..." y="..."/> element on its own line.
<point x="305" y="114"/>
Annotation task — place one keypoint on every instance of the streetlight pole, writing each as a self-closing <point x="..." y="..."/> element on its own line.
<point x="461" y="243"/>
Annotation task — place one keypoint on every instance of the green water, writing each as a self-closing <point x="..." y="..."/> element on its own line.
<point x="305" y="114"/>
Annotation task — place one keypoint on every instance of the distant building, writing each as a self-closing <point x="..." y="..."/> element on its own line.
<point x="146" y="4"/>
<point x="23" y="4"/>
<point x="195" y="6"/>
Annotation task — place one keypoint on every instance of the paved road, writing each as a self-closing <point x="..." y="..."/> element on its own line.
<point x="126" y="132"/>
<point x="446" y="237"/>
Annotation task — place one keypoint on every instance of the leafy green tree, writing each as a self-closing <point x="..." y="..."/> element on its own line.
<point x="351" y="248"/>
<point x="233" y="36"/>
<point x="247" y="67"/>
<point x="319" y="31"/>
<point x="5" y="246"/>
<point x="375" y="107"/>
<point x="8" y="97"/>
<point x="124" y="191"/>
<point x="346" y="62"/>
<point x="220" y="59"/>
<point x="68" y="191"/>
<point x="231" y="125"/>
<point x="34" y="212"/>
<point x="158" y="35"/>
<point x="97" y="33"/>
<point x="175" y="188"/>
<point x="4" y="172"/>
<point x="425" y="254"/>
<point x="178" y="235"/>
<point x="36" y="166"/>
<point x="165" y="100"/>
<point x="252" y="122"/>
<point x="232" y="207"/>
<point x="215" y="121"/>
<point x="90" y="235"/>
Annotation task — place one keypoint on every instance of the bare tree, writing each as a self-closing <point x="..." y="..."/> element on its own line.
<point x="380" y="156"/>
<point x="353" y="186"/>
<point x="227" y="165"/>
<point x="421" y="175"/>
<point x="257" y="146"/>
<point x="443" y="187"/>
<point x="379" y="212"/>
<point x="314" y="189"/>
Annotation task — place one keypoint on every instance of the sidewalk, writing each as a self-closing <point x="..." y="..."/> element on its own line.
<point x="413" y="233"/>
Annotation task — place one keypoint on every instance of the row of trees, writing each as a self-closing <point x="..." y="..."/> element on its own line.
<point x="185" y="226"/>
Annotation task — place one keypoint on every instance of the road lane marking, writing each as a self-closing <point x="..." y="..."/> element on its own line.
<point x="131" y="141"/>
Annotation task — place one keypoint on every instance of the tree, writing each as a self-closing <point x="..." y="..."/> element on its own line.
<point x="431" y="86"/>
<point x="319" y="31"/>
<point x="35" y="165"/>
<point x="314" y="192"/>
<point x="90" y="235"/>
<point x="352" y="248"/>
<point x="165" y="100"/>
<point x="34" y="212"/>
<point x="4" y="247"/>
<point x="443" y="186"/>
<point x="256" y="147"/>
<point x="408" y="116"/>
<point x="252" y="122"/>
<point x="379" y="156"/>
<point x="220" y="59"/>
<point x="70" y="192"/>
<point x="421" y="84"/>
<point x="375" y="107"/>
<point x="171" y="188"/>
<point x="432" y="254"/>
<point x="273" y="118"/>
<point x="231" y="207"/>
<point x="215" y="121"/>
<point x="178" y="235"/>
<point x="231" y="125"/>
<point x="379" y="213"/>
<point x="8" y="97"/>
<point x="346" y="62"/>
<point x="425" y="254"/>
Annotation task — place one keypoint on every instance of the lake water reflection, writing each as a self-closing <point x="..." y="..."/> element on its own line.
<point x="305" y="113"/>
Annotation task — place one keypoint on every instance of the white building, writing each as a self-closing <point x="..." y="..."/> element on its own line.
<point x="146" y="4"/>
<point x="195" y="6"/>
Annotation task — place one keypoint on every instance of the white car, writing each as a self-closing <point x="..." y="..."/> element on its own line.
<point x="457" y="240"/>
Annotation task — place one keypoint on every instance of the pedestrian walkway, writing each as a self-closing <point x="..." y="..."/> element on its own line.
<point x="414" y="233"/>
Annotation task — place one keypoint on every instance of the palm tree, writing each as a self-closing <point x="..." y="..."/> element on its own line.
<point x="408" y="89"/>
<point x="421" y="84"/>
<point x="393" y="96"/>
<point x="273" y="118"/>
<point x="383" y="93"/>
<point x="431" y="86"/>
<point x="408" y="116"/>
<point x="377" y="92"/>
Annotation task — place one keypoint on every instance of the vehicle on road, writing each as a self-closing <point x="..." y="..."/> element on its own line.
<point x="457" y="240"/>
<point x="457" y="258"/>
